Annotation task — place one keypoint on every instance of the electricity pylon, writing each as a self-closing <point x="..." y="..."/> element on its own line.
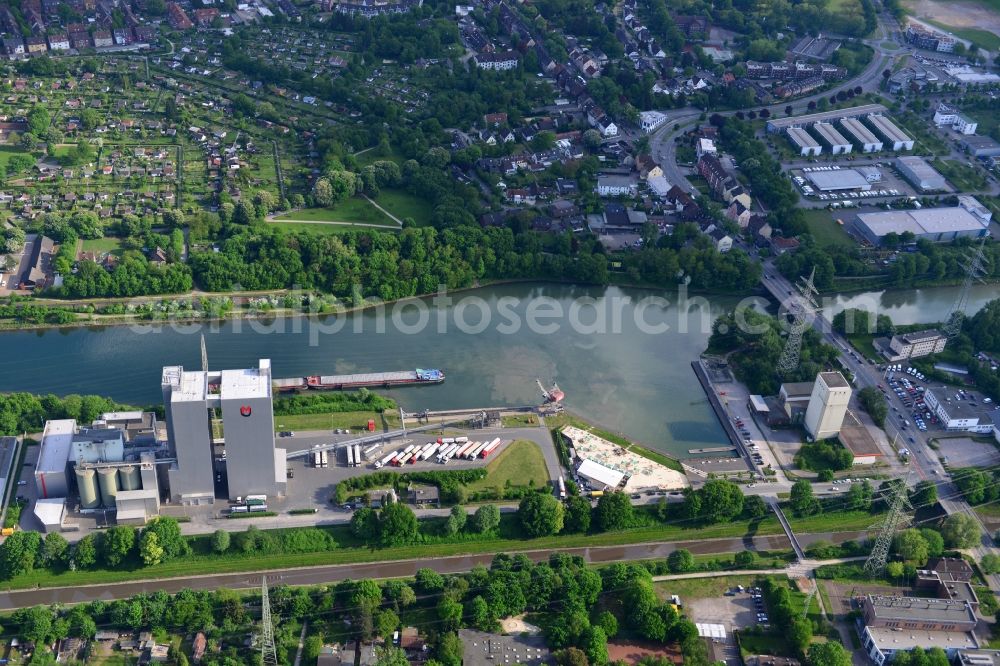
<point x="268" y="650"/>
<point x="800" y="308"/>
<point x="974" y="271"/>
<point x="899" y="505"/>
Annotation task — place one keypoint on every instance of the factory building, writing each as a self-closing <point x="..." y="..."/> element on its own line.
<point x="920" y="174"/>
<point x="243" y="399"/>
<point x="802" y="140"/>
<point x="860" y="135"/>
<point x="94" y="465"/>
<point x="832" y="139"/>
<point x="892" y="135"/>
<point x="934" y="224"/>
<point x="827" y="405"/>
<point x="971" y="204"/>
<point x="51" y="470"/>
<point x="841" y="179"/>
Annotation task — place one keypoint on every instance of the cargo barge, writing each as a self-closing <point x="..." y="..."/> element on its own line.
<point x="363" y="380"/>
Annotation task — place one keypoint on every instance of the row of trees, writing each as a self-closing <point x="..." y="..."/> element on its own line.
<point x="159" y="541"/>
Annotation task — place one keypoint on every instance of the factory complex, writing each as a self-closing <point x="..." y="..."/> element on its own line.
<point x="934" y="224"/>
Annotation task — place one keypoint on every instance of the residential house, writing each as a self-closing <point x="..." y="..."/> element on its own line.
<point x="501" y="61"/>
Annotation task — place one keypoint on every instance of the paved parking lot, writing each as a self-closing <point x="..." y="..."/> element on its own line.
<point x="967" y="452"/>
<point x="736" y="612"/>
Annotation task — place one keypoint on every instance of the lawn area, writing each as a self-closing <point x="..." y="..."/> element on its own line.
<point x="824" y="228"/>
<point x="962" y="176"/>
<point x="373" y="155"/>
<point x="520" y="464"/>
<point x="106" y="244"/>
<point x="864" y="344"/>
<point x="331" y="229"/>
<point x="354" y="210"/>
<point x="839" y="521"/>
<point x="350" y="420"/>
<point x="519" y="421"/>
<point x="7" y="152"/>
<point x="403" y="205"/>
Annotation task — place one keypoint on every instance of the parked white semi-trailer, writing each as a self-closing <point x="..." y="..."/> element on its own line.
<point x="419" y="451"/>
<point x="400" y="455"/>
<point x="429" y="451"/>
<point x="449" y="452"/>
<point x="386" y="459"/>
<point x="316" y="459"/>
<point x="357" y="455"/>
<point x="370" y="451"/>
<point x="473" y="453"/>
<point x="463" y="448"/>
<point x="324" y="459"/>
<point x="350" y="456"/>
<point x="490" y="448"/>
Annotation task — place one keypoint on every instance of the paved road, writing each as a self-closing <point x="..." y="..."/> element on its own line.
<point x="924" y="463"/>
<point x="662" y="142"/>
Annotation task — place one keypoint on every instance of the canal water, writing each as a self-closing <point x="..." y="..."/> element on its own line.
<point x="621" y="356"/>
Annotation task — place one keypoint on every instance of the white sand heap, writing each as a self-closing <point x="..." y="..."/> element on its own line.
<point x="641" y="473"/>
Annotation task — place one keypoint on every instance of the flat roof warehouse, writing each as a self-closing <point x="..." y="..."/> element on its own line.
<point x="778" y="124"/>
<point x="844" y="179"/>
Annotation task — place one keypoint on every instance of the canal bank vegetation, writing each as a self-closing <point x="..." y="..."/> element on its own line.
<point x="350" y="410"/>
<point x="754" y="356"/>
<point x="392" y="533"/>
<point x="26" y="412"/>
<point x="577" y="607"/>
<point x="901" y="262"/>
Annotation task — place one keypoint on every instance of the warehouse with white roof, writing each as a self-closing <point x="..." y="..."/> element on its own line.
<point x="802" y="140"/>
<point x="887" y="129"/>
<point x="838" y="180"/>
<point x="860" y="135"/>
<point x="831" y="138"/>
<point x="933" y="224"/>
<point x="920" y="174"/>
<point x="600" y="477"/>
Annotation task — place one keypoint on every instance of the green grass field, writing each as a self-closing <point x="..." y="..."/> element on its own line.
<point x="840" y="521"/>
<point x="373" y="155"/>
<point x="520" y="464"/>
<point x="350" y="420"/>
<point x="355" y="210"/>
<point x="106" y="244"/>
<point x="322" y="229"/>
<point x="403" y="205"/>
<point x="7" y="152"/>
<point x="823" y="226"/>
<point x="864" y="344"/>
<point x="962" y="176"/>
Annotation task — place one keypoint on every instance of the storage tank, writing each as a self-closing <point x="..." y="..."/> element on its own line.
<point x="128" y="478"/>
<point x="86" y="481"/>
<point x="107" y="478"/>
